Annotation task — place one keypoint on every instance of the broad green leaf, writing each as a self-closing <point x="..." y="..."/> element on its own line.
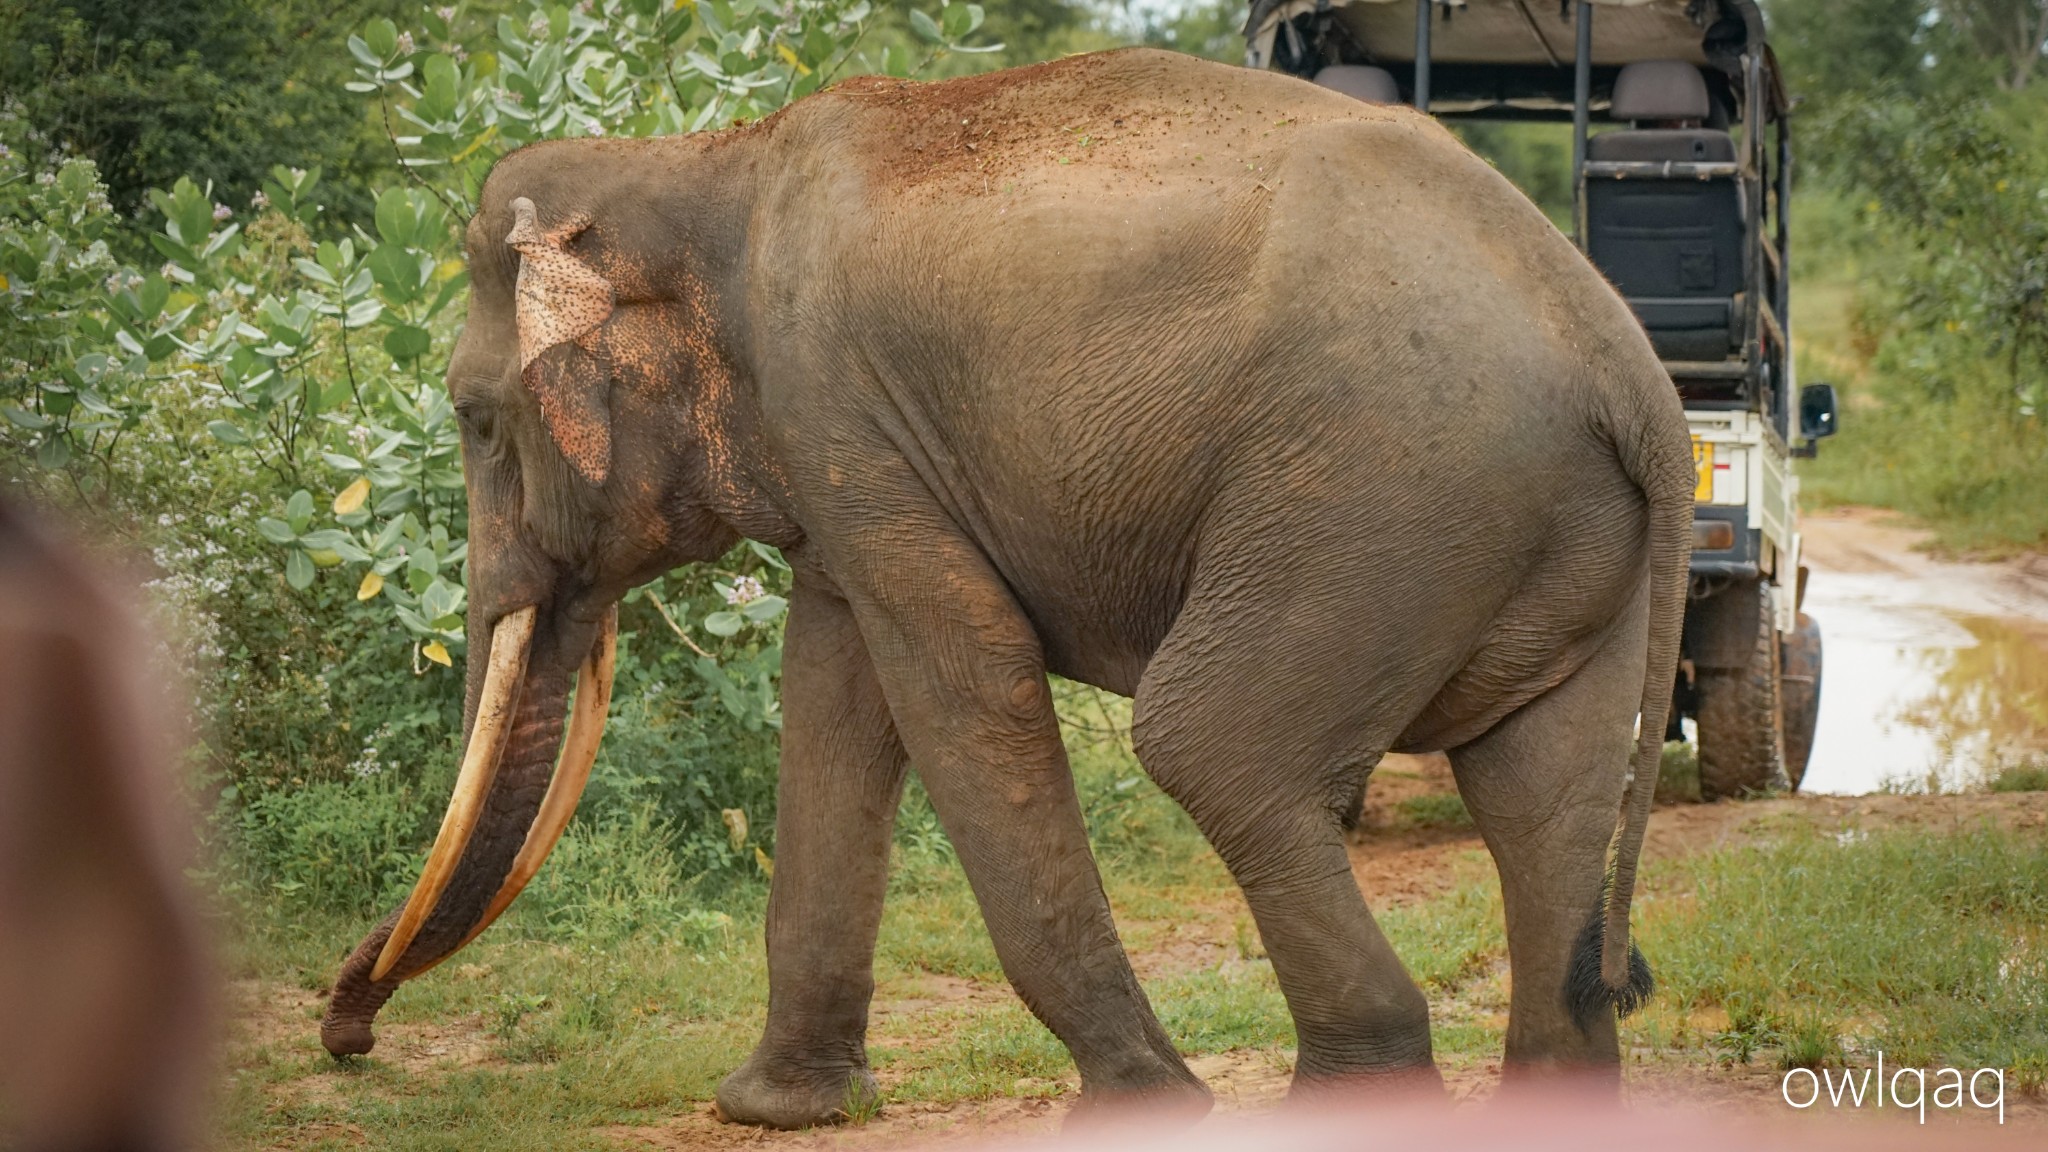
<point x="298" y="571"/>
<point x="955" y="20"/>
<point x="381" y="36"/>
<point x="723" y="623"/>
<point x="276" y="531"/>
<point x="315" y="272"/>
<point x="764" y="608"/>
<point x="336" y="541"/>
<point x="396" y="219"/>
<point x="226" y="432"/>
<point x="299" y="510"/>
<point x="406" y="342"/>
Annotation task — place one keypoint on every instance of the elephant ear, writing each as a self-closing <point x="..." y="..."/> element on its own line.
<point x="560" y="304"/>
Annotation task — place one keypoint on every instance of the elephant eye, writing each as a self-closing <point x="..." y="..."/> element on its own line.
<point x="480" y="420"/>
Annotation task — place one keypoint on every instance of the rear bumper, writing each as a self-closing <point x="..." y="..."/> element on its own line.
<point x="1740" y="561"/>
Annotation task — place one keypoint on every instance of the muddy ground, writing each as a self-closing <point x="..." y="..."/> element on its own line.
<point x="1397" y="862"/>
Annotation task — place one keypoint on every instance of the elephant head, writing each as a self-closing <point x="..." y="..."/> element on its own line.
<point x="599" y="450"/>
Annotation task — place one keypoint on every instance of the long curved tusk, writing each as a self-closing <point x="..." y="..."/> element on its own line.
<point x="495" y="706"/>
<point x="579" y="754"/>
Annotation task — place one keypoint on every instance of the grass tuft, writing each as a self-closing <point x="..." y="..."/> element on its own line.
<point x="2031" y="776"/>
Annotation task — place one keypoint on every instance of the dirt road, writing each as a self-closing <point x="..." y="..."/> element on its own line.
<point x="1936" y="671"/>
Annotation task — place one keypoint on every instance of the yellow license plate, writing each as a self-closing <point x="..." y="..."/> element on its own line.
<point x="1702" y="471"/>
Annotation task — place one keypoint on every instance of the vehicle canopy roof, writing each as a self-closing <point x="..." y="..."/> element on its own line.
<point x="1517" y="55"/>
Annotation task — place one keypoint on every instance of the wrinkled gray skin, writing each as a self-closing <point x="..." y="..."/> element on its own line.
<point x="1281" y="413"/>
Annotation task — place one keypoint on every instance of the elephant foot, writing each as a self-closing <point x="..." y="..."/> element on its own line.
<point x="772" y="1094"/>
<point x="1177" y="1102"/>
<point x="1405" y="1083"/>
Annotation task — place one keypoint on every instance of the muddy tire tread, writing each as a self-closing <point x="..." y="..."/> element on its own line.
<point x="1741" y="734"/>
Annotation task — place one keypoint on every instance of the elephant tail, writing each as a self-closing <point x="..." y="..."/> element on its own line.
<point x="1608" y="973"/>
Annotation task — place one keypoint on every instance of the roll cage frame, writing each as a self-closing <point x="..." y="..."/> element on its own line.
<point x="1742" y="77"/>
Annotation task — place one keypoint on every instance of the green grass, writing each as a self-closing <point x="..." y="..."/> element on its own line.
<point x="2028" y="777"/>
<point x="1927" y="946"/>
<point x="1678" y="774"/>
<point x="1437" y="810"/>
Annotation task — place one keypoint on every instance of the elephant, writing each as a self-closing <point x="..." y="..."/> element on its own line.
<point x="1282" y="414"/>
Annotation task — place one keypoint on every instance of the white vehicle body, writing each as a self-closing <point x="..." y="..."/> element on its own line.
<point x="1742" y="462"/>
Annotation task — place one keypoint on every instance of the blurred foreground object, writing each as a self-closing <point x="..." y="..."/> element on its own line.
<point x="1563" y="1117"/>
<point x="105" y="1008"/>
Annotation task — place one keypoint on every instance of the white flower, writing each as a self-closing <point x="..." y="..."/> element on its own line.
<point x="222" y="212"/>
<point x="259" y="201"/>
<point x="594" y="128"/>
<point x="538" y="30"/>
<point x="446" y="12"/>
<point x="744" y="590"/>
<point x="405" y="43"/>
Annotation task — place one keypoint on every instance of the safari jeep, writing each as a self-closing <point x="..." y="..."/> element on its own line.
<point x="1681" y="175"/>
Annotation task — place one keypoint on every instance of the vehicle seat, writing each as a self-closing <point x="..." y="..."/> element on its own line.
<point x="1673" y="247"/>
<point x="1372" y="85"/>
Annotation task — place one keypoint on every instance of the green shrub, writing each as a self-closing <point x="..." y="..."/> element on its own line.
<point x="352" y="845"/>
<point x="1923" y="267"/>
<point x="264" y="412"/>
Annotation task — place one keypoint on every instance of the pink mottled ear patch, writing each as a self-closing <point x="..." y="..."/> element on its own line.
<point x="559" y="300"/>
<point x="572" y="386"/>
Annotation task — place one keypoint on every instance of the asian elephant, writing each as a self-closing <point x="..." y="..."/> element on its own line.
<point x="1282" y="413"/>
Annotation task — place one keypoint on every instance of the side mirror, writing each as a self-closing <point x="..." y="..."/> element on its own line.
<point x="1817" y="411"/>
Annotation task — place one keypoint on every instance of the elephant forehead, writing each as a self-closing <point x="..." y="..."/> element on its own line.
<point x="559" y="298"/>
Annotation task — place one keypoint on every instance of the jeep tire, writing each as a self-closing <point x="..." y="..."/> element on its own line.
<point x="1799" y="687"/>
<point x="1737" y="689"/>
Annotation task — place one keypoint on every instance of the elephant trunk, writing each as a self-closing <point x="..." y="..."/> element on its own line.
<point x="506" y="815"/>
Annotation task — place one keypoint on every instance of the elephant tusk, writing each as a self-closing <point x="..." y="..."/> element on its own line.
<point x="579" y="754"/>
<point x="510" y="640"/>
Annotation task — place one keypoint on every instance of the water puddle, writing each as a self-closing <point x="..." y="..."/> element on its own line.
<point x="1919" y="692"/>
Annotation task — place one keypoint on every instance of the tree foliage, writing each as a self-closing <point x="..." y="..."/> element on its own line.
<point x="259" y="401"/>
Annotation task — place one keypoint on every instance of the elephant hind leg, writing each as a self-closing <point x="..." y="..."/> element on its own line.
<point x="1259" y="767"/>
<point x="1544" y="788"/>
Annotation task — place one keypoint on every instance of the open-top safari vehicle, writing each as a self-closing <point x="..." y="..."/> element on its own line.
<point x="1681" y="176"/>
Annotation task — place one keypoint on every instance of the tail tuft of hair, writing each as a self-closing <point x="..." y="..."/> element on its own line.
<point x="1588" y="996"/>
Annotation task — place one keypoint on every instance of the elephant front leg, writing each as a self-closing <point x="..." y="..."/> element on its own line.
<point x="966" y="681"/>
<point x="841" y="780"/>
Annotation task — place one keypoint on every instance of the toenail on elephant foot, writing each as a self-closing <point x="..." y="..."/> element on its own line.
<point x="787" y="1098"/>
